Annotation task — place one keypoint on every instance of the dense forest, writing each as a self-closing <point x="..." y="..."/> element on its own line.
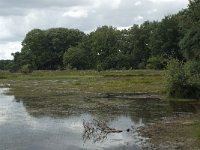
<point x="149" y="45"/>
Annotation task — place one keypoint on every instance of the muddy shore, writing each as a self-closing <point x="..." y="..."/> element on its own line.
<point x="174" y="133"/>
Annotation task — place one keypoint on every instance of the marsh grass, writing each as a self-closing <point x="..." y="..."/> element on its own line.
<point x="148" y="81"/>
<point x="197" y="133"/>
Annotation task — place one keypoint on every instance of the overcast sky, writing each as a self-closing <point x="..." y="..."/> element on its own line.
<point x="17" y="17"/>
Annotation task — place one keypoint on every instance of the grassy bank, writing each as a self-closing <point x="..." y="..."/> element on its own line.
<point x="90" y="81"/>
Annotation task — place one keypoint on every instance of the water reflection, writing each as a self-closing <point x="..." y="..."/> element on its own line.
<point x="105" y="109"/>
<point x="56" y="122"/>
<point x="97" y="130"/>
<point x="22" y="127"/>
<point x="188" y="106"/>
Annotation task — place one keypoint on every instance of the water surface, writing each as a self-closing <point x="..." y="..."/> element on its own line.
<point x="56" y="122"/>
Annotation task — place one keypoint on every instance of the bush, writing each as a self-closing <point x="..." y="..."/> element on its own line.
<point x="141" y="65"/>
<point x="183" y="80"/>
<point x="68" y="67"/>
<point x="157" y="63"/>
<point x="26" y="69"/>
<point x="99" y="68"/>
<point x="76" y="57"/>
<point x="13" y="68"/>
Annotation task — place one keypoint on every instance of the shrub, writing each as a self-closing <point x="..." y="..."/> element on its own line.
<point x="99" y="68"/>
<point x="141" y="65"/>
<point x="76" y="57"/>
<point x="68" y="67"/>
<point x="156" y="62"/>
<point x="13" y="68"/>
<point x="183" y="80"/>
<point x="192" y="68"/>
<point x="26" y="69"/>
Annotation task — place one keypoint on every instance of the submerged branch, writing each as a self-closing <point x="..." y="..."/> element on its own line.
<point x="97" y="130"/>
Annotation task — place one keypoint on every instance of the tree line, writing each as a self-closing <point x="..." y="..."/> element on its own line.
<point x="149" y="45"/>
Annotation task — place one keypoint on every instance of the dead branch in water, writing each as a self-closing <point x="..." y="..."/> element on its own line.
<point x="97" y="130"/>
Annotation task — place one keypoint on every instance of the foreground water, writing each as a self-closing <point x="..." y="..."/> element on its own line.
<point x="56" y="122"/>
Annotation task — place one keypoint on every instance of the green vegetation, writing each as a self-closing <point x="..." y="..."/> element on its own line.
<point x="75" y="57"/>
<point x="157" y="62"/>
<point x="183" y="79"/>
<point x="198" y="133"/>
<point x="5" y="64"/>
<point x="44" y="49"/>
<point x="89" y="81"/>
<point x="26" y="69"/>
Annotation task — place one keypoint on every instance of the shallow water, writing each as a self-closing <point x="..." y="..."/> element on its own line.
<point x="56" y="122"/>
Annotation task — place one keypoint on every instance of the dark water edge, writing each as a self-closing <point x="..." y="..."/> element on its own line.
<point x="56" y="122"/>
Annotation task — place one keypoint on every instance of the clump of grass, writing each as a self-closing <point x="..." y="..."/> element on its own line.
<point x="2" y="77"/>
<point x="198" y="133"/>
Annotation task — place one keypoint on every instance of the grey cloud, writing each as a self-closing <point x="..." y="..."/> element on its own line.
<point x="41" y="3"/>
<point x="127" y="13"/>
<point x="13" y="11"/>
<point x="22" y="7"/>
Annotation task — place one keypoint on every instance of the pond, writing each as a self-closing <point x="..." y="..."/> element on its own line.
<point x="56" y="121"/>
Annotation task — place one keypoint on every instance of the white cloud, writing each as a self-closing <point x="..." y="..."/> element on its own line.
<point x="138" y="18"/>
<point x="76" y="12"/>
<point x="122" y="28"/>
<point x="160" y="1"/>
<point x="138" y="3"/>
<point x="152" y="11"/>
<point x="5" y="33"/>
<point x="115" y="4"/>
<point x="7" y="48"/>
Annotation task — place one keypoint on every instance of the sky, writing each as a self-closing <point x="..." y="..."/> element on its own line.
<point x="18" y="17"/>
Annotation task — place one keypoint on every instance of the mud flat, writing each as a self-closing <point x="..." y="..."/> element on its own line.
<point x="177" y="132"/>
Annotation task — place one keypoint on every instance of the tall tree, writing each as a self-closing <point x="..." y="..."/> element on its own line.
<point x="139" y="43"/>
<point x="165" y="38"/>
<point x="44" y="49"/>
<point x="190" y="44"/>
<point x="33" y="49"/>
<point x="59" y="40"/>
<point x="104" y="44"/>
